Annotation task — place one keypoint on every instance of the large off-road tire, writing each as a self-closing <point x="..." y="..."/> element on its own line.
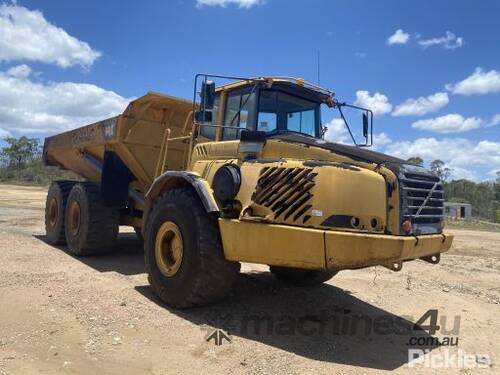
<point x="90" y="227"/>
<point x="301" y="277"/>
<point x="55" y="207"/>
<point x="183" y="252"/>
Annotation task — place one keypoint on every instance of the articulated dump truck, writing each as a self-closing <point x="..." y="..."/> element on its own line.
<point x="241" y="173"/>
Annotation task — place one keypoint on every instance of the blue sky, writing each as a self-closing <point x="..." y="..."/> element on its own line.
<point x="434" y="84"/>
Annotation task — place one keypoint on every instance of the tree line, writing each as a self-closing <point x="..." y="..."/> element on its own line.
<point x="483" y="196"/>
<point x="21" y="162"/>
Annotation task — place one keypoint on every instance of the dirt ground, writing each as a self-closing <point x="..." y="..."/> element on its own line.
<point x="65" y="315"/>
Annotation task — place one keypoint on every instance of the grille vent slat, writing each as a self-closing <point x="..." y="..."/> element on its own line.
<point x="417" y="190"/>
<point x="286" y="192"/>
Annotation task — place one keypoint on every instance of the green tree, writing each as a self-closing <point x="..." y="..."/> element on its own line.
<point x="497" y="187"/>
<point x="480" y="195"/>
<point x="20" y="151"/>
<point x="417" y="160"/>
<point x="440" y="169"/>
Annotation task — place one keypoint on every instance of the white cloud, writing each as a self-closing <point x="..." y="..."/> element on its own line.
<point x="452" y="123"/>
<point x="467" y="159"/>
<point x="4" y="133"/>
<point x="378" y="103"/>
<point x="19" y="71"/>
<point x="399" y="37"/>
<point x="421" y="105"/>
<point x="27" y="35"/>
<point x="337" y="132"/>
<point x="449" y="41"/>
<point x="381" y="140"/>
<point x="478" y="83"/>
<point x="31" y="107"/>
<point x="494" y="121"/>
<point x="223" y="3"/>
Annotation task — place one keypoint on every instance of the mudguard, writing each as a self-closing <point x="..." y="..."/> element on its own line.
<point x="175" y="179"/>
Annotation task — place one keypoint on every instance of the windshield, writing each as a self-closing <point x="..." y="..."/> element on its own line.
<point x="279" y="111"/>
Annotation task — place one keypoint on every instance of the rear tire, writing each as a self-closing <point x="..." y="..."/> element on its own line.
<point x="55" y="207"/>
<point x="183" y="252"/>
<point x="301" y="277"/>
<point x="90" y="227"/>
<point x="138" y="233"/>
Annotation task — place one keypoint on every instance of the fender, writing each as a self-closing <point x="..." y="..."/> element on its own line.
<point x="175" y="179"/>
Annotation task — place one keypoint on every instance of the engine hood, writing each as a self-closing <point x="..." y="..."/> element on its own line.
<point x="353" y="152"/>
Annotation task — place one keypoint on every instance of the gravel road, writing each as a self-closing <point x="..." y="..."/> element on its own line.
<point x="65" y="315"/>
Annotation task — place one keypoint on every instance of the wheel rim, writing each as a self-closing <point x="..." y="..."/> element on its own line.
<point x="53" y="211"/>
<point x="74" y="216"/>
<point x="169" y="249"/>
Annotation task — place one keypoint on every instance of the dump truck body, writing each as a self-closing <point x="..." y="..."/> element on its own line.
<point x="286" y="199"/>
<point x="136" y="136"/>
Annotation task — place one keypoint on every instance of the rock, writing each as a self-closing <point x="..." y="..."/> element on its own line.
<point x="117" y="340"/>
<point x="446" y="290"/>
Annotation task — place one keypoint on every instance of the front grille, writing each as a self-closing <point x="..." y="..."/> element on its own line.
<point x="422" y="200"/>
<point x="286" y="191"/>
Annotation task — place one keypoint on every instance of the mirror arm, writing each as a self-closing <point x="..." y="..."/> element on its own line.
<point x="339" y="107"/>
<point x="370" y="122"/>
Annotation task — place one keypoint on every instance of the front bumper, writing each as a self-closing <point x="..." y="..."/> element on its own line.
<point x="290" y="246"/>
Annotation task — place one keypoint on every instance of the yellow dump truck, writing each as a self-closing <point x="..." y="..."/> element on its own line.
<point x="241" y="173"/>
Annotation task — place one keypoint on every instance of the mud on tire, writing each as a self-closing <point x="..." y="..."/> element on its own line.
<point x="204" y="276"/>
<point x="55" y="207"/>
<point x="301" y="277"/>
<point x="90" y="227"/>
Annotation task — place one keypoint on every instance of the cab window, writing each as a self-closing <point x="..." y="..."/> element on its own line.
<point x="210" y="131"/>
<point x="239" y="114"/>
<point x="299" y="114"/>
<point x="267" y="120"/>
<point x="279" y="111"/>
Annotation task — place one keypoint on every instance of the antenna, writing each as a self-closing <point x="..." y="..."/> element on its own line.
<point x="319" y="77"/>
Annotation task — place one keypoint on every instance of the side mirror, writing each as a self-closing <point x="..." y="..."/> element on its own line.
<point x="365" y="125"/>
<point x="207" y="94"/>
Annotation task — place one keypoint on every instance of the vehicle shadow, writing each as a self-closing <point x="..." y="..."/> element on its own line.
<point x="323" y="323"/>
<point x="127" y="258"/>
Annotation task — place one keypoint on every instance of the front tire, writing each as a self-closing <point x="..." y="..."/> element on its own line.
<point x="183" y="252"/>
<point x="90" y="227"/>
<point x="301" y="277"/>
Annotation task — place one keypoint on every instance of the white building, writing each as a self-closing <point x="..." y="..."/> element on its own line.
<point x="457" y="210"/>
